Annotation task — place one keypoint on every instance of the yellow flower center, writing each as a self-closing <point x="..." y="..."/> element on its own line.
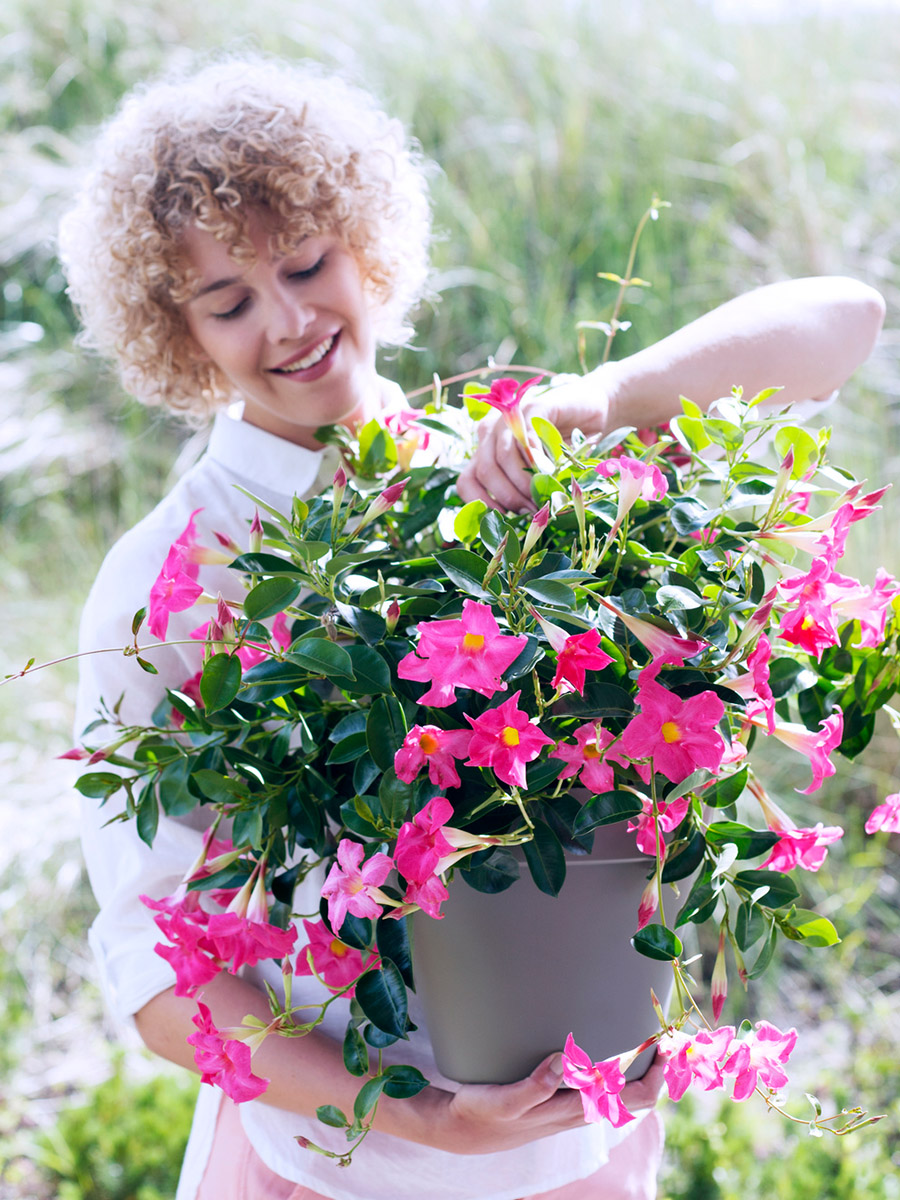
<point x="338" y="948"/>
<point x="428" y="743"/>
<point x="807" y="622"/>
<point x="473" y="642"/>
<point x="671" y="732"/>
<point x="510" y="736"/>
<point x="591" y="750"/>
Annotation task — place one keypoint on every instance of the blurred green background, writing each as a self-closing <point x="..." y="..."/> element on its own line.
<point x="778" y="145"/>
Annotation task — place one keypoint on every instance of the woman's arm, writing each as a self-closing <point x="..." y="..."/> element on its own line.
<point x="806" y="336"/>
<point x="306" y="1072"/>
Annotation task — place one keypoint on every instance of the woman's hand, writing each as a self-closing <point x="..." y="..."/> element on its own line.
<point x="486" y="1118"/>
<point x="498" y="473"/>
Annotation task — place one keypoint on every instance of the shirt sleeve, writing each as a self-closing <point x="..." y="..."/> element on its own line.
<point x="120" y="866"/>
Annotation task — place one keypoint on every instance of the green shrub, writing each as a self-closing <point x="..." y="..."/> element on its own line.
<point x="126" y="1142"/>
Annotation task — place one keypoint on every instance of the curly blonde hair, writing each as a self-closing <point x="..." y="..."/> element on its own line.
<point x="238" y="135"/>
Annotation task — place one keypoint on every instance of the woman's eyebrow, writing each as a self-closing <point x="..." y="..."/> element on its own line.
<point x="217" y="286"/>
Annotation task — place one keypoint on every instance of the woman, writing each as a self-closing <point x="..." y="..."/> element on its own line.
<point x="250" y="234"/>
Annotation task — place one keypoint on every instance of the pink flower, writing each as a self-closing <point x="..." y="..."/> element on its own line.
<point x="470" y="652"/>
<point x="436" y="747"/>
<point x="336" y="963"/>
<point x="664" y="647"/>
<point x="805" y="848"/>
<point x="224" y="1061"/>
<point x="383" y="503"/>
<point x="575" y="654"/>
<point x="420" y="843"/>
<point x="175" y="590"/>
<point x="868" y="605"/>
<point x="409" y="435"/>
<point x="242" y="942"/>
<point x="815" y="744"/>
<point x="281" y="634"/>
<point x="649" y="902"/>
<point x="697" y="1058"/>
<point x="810" y="623"/>
<point x="885" y="817"/>
<point x="760" y="1058"/>
<point x="650" y="830"/>
<point x="718" y="991"/>
<point x="586" y="756"/>
<point x="754" y="684"/>
<point x="505" y="739"/>
<point x="191" y="955"/>
<point x="506" y="396"/>
<point x="679" y="735"/>
<point x="599" y="1083"/>
<point x="637" y="480"/>
<point x="352" y="885"/>
<point x="429" y="895"/>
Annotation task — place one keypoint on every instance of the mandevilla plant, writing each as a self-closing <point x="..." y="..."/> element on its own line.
<point x="411" y="687"/>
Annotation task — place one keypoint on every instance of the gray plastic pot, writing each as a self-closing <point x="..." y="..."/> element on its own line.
<point x="503" y="979"/>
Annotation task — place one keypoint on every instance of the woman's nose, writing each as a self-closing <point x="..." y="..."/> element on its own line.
<point x="289" y="316"/>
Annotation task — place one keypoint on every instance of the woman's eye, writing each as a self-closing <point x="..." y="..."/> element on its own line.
<point x="232" y="312"/>
<point x="309" y="271"/>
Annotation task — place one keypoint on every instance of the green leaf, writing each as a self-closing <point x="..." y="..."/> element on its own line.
<point x="266" y="564"/>
<point x="385" y="730"/>
<point x="381" y="995"/>
<point x="371" y="674"/>
<point x="270" y="597"/>
<point x="498" y="872"/>
<point x="549" y="435"/>
<point x="781" y="892"/>
<point x="219" y="788"/>
<point x="220" y="682"/>
<point x="377" y="450"/>
<point x="368" y="1097"/>
<point x="606" y="809"/>
<point x="546" y="859"/>
<point x="656" y="941"/>
<point x="467" y="569"/>
<point x="98" y="785"/>
<point x="148" y="815"/>
<point x="356" y="1052"/>
<point x="349" y="748"/>
<point x="765" y="956"/>
<point x="685" y="860"/>
<point x="271" y="679"/>
<point x="750" y="925"/>
<point x="700" y="904"/>
<point x="321" y="657"/>
<point x="404" y="1081"/>
<point x="691" y="433"/>
<point x="725" y="791"/>
<point x="804" y="445"/>
<point x="174" y="794"/>
<point x="392" y="939"/>
<point x="749" y="842"/>
<point x="328" y="1114"/>
<point x="396" y="797"/>
<point x="246" y="828"/>
<point x="550" y="591"/>
<point x="468" y="519"/>
<point x="806" y="926"/>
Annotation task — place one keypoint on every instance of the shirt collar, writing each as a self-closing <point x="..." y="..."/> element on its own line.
<point x="262" y="460"/>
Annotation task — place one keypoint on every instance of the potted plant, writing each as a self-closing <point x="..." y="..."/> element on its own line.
<point x="416" y="693"/>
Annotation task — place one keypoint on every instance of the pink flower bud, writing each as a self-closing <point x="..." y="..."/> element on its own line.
<point x="383" y="503"/>
<point x="256" y="533"/>
<point x="340" y="479"/>
<point x="392" y="616"/>
<point x="229" y="543"/>
<point x="719" y="988"/>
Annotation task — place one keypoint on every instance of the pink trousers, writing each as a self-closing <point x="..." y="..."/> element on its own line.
<point x="236" y="1172"/>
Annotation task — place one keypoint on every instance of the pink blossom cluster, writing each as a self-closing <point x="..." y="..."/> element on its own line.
<point x="708" y="1059"/>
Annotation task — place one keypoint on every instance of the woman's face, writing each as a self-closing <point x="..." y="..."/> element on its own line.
<point x="292" y="334"/>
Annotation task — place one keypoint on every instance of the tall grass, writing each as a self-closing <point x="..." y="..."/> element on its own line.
<point x="777" y="145"/>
